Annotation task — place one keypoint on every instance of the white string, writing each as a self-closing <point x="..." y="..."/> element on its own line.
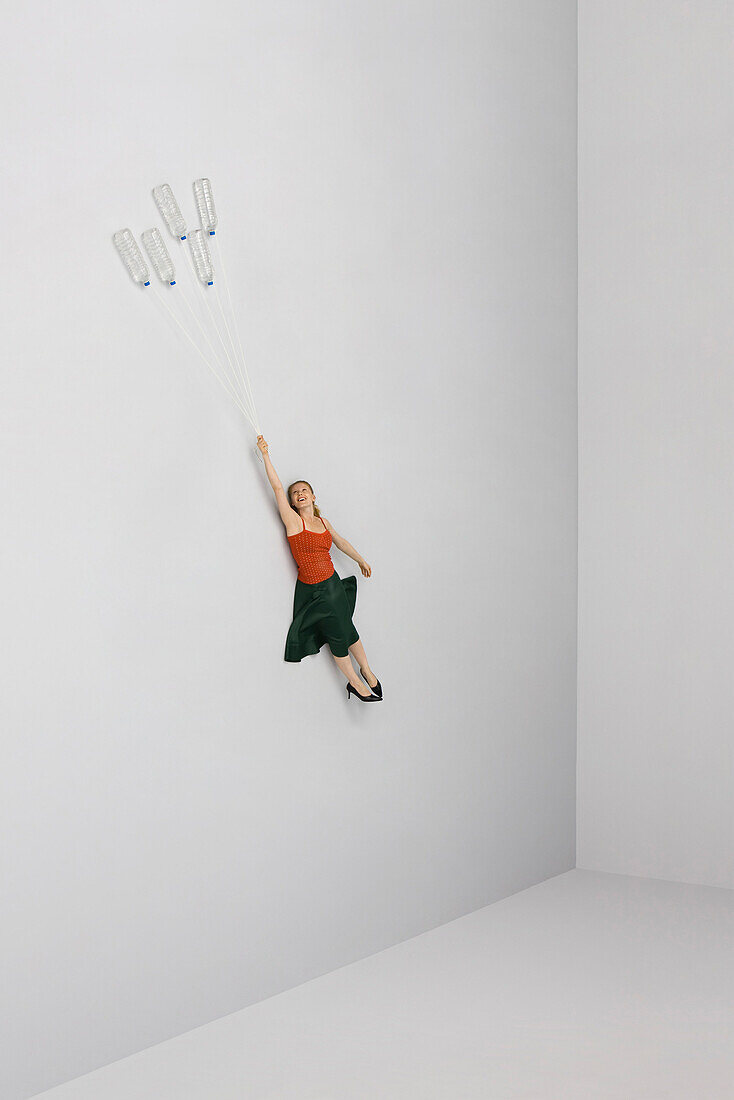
<point x="202" y="330"/>
<point x="215" y="359"/>
<point x="245" y="390"/>
<point x="232" y="374"/>
<point x="158" y="298"/>
<point x="224" y="383"/>
<point x="234" y="321"/>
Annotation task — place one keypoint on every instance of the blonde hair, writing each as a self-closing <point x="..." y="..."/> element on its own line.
<point x="316" y="511"/>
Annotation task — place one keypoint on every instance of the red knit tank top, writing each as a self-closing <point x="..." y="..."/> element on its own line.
<point x="311" y="551"/>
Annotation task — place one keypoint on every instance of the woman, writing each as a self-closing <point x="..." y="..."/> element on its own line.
<point x="323" y="603"/>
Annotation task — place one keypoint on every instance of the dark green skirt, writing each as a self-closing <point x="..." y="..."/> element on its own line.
<point x="322" y="613"/>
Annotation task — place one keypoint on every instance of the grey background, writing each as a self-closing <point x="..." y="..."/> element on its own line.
<point x="586" y="985"/>
<point x="656" y="396"/>
<point x="189" y="824"/>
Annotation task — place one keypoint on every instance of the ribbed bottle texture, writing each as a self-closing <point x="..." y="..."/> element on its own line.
<point x="205" y="204"/>
<point x="131" y="256"/>
<point x="165" y="200"/>
<point x="158" y="255"/>
<point x="202" y="256"/>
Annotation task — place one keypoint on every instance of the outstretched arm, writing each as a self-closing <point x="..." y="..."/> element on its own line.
<point x="287" y="514"/>
<point x="348" y="549"/>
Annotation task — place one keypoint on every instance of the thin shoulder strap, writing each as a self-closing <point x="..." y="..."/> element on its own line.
<point x="323" y="521"/>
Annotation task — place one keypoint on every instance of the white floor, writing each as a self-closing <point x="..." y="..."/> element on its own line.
<point x="588" y="985"/>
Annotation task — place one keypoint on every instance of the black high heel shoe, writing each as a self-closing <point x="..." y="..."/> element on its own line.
<point x="376" y="690"/>
<point x="365" y="698"/>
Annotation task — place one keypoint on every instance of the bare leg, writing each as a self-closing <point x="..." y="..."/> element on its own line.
<point x="345" y="665"/>
<point x="357" y="651"/>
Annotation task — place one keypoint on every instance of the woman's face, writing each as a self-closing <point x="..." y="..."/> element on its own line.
<point x="301" y="495"/>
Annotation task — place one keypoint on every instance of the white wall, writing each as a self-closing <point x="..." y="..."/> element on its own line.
<point x="656" y="396"/>
<point x="189" y="824"/>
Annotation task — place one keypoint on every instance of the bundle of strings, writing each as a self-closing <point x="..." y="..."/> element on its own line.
<point x="212" y="328"/>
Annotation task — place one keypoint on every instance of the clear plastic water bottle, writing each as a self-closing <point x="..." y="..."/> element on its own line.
<point x="131" y="256"/>
<point x="165" y="200"/>
<point x="159" y="256"/>
<point x="202" y="256"/>
<point x="205" y="205"/>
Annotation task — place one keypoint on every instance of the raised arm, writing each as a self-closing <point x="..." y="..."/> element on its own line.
<point x="287" y="514"/>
